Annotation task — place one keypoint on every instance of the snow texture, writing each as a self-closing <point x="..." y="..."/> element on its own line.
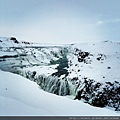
<point x="19" y="96"/>
<point x="88" y="72"/>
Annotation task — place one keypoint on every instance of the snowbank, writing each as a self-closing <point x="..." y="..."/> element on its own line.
<point x="20" y="96"/>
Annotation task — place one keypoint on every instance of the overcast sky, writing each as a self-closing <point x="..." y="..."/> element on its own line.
<point x="60" y="21"/>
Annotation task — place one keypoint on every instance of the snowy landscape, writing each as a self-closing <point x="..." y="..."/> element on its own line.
<point x="59" y="80"/>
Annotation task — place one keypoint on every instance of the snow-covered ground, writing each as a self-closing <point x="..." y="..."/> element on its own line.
<point x="86" y="71"/>
<point x="19" y="96"/>
<point x="102" y="70"/>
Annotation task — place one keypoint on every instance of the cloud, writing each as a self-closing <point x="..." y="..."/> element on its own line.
<point x="52" y="31"/>
<point x="100" y="22"/>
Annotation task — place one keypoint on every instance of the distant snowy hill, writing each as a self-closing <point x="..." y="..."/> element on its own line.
<point x="88" y="72"/>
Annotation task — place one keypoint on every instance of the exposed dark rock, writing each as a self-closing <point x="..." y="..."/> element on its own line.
<point x="98" y="58"/>
<point x="100" y="95"/>
<point x="108" y="67"/>
<point x="33" y="74"/>
<point x="100" y="102"/>
<point x="101" y="57"/>
<point x="26" y="42"/>
<point x="75" y="78"/>
<point x="14" y="39"/>
<point x="83" y="56"/>
<point x="78" y="96"/>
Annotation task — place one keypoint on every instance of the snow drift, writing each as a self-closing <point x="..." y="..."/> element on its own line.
<point x="19" y="96"/>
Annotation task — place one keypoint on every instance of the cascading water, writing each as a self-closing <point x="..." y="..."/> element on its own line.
<point x="52" y="84"/>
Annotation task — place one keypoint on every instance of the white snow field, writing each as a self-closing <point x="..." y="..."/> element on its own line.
<point x="87" y="72"/>
<point x="22" y="97"/>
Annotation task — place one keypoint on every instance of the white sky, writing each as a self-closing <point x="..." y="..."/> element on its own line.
<point x="60" y="21"/>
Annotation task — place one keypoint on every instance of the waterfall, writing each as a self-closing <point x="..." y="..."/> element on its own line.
<point x="51" y="84"/>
